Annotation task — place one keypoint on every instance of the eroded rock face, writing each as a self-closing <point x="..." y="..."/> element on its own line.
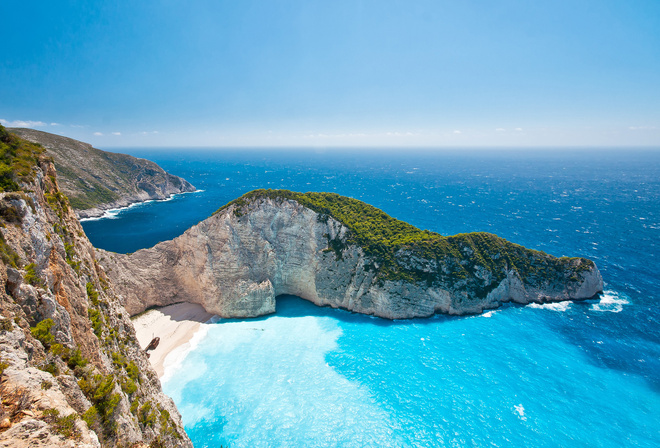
<point x="50" y="274"/>
<point x="236" y="262"/>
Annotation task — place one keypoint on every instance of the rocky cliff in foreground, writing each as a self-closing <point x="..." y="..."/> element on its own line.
<point x="95" y="180"/>
<point x="339" y="252"/>
<point x="71" y="371"/>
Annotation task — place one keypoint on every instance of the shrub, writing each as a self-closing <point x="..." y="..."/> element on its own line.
<point x="70" y="251"/>
<point x="91" y="417"/>
<point x="18" y="158"/>
<point x="97" y="321"/>
<point x="98" y="389"/>
<point x="3" y="366"/>
<point x="92" y="293"/>
<point x="133" y="371"/>
<point x="128" y="386"/>
<point x="76" y="360"/>
<point x="15" y="400"/>
<point x="5" y="325"/>
<point x="42" y="332"/>
<point x="164" y="417"/>
<point x="31" y="276"/>
<point x="157" y="443"/>
<point x="108" y="406"/>
<point x="65" y="426"/>
<point x="60" y="350"/>
<point x="51" y="368"/>
<point x="7" y="253"/>
<point x="10" y="213"/>
<point x="45" y="385"/>
<point x="146" y="415"/>
<point x="118" y="360"/>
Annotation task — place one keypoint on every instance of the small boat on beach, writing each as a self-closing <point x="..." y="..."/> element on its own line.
<point x="153" y="344"/>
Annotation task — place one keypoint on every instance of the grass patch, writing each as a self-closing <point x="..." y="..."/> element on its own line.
<point x="18" y="159"/>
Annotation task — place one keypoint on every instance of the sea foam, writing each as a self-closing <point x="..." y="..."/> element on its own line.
<point x="555" y="306"/>
<point x="114" y="213"/>
<point x="610" y="301"/>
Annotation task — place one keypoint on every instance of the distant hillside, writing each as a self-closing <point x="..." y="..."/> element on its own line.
<point x="96" y="180"/>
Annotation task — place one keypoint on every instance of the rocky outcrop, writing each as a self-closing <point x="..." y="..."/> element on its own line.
<point x="268" y="243"/>
<point x="96" y="180"/>
<point x="71" y="370"/>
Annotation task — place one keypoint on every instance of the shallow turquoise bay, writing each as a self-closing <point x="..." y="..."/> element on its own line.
<point x="573" y="374"/>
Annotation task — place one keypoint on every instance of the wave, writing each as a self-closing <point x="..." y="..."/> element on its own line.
<point x="610" y="301"/>
<point x="114" y="212"/>
<point x="174" y="360"/>
<point x="556" y="306"/>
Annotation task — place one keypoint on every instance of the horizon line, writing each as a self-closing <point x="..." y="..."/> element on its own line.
<point x="386" y="147"/>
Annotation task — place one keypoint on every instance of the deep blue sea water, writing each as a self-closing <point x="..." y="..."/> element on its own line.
<point x="571" y="374"/>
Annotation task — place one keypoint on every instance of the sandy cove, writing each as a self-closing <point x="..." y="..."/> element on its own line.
<point x="175" y="325"/>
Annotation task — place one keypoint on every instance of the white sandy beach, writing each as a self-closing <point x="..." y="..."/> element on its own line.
<point x="175" y="325"/>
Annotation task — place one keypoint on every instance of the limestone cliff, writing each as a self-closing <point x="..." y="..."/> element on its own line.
<point x="339" y="252"/>
<point x="72" y="373"/>
<point x="96" y="180"/>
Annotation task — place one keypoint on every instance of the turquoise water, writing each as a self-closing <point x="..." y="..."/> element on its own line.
<point x="570" y="374"/>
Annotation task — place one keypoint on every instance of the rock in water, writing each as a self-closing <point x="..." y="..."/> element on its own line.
<point x="339" y="252"/>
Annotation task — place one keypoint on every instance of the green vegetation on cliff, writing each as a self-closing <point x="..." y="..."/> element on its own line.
<point x="401" y="251"/>
<point x="17" y="160"/>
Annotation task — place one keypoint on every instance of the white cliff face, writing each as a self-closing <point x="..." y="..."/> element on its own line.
<point x="236" y="262"/>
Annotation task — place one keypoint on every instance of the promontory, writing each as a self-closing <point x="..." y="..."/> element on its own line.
<point x="95" y="180"/>
<point x="339" y="252"/>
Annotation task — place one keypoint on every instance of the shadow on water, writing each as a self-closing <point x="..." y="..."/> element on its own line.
<point x="289" y="306"/>
<point x="578" y="330"/>
<point x="598" y="336"/>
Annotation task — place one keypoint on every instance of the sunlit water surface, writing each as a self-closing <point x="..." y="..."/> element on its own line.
<point x="569" y="374"/>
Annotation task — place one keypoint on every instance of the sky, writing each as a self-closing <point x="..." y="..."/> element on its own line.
<point x="361" y="73"/>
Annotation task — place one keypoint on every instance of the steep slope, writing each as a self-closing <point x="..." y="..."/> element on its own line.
<point x="96" y="180"/>
<point x="71" y="370"/>
<point x="343" y="253"/>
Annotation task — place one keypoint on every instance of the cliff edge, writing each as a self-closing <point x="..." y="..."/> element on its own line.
<point x="96" y="180"/>
<point x="71" y="371"/>
<point x="339" y="252"/>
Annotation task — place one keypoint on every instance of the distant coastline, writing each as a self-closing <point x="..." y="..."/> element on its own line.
<point x="112" y="213"/>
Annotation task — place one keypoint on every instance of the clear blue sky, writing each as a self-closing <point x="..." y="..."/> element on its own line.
<point x="334" y="73"/>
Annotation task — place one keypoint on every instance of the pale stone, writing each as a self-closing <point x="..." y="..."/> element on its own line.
<point x="235" y="264"/>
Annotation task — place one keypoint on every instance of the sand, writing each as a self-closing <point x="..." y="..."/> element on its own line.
<point x="175" y="325"/>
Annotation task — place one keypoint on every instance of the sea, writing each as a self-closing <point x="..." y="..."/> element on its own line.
<point x="569" y="374"/>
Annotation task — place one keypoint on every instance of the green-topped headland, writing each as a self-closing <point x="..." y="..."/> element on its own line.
<point x="390" y="242"/>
